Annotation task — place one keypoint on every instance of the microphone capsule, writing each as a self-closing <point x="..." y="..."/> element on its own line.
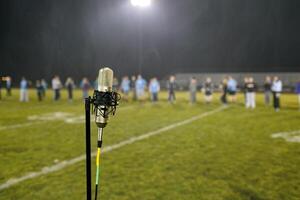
<point x="105" y="80"/>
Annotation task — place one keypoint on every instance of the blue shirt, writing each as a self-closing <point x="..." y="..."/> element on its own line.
<point x="125" y="85"/>
<point x="8" y="83"/>
<point x="232" y="85"/>
<point x="154" y="87"/>
<point x="298" y="88"/>
<point x="23" y="85"/>
<point x="140" y="84"/>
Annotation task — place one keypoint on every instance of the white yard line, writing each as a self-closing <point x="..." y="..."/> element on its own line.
<point x="290" y="136"/>
<point x="15" y="126"/>
<point x="20" y="125"/>
<point x="63" y="164"/>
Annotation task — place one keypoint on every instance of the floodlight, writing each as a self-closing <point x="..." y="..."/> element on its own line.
<point x="140" y="3"/>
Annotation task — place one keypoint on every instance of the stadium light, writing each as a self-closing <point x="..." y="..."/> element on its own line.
<point x="140" y="3"/>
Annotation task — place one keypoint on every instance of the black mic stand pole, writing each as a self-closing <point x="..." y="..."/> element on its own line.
<point x="88" y="148"/>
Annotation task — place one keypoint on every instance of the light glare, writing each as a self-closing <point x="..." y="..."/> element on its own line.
<point x="141" y="3"/>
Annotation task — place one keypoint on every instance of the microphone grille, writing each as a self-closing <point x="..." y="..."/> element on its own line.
<point x="105" y="80"/>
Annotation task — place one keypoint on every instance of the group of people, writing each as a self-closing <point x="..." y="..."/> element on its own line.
<point x="56" y="84"/>
<point x="229" y="87"/>
<point x="272" y="87"/>
<point x="138" y="86"/>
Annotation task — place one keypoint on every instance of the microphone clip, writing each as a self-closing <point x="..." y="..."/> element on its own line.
<point x="105" y="102"/>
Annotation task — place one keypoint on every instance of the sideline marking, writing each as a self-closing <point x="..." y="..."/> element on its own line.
<point x="65" y="163"/>
<point x="291" y="136"/>
<point x="68" y="118"/>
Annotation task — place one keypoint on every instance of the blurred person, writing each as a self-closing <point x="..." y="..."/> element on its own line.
<point x="250" y="88"/>
<point x="193" y="90"/>
<point x="132" y="87"/>
<point x="24" y="90"/>
<point x="298" y="92"/>
<point x="246" y="80"/>
<point x="45" y="87"/>
<point x="85" y="86"/>
<point x="140" y="86"/>
<point x="95" y="84"/>
<point x="8" y="86"/>
<point x="39" y="90"/>
<point x="267" y="89"/>
<point x="208" y="90"/>
<point x="70" y="85"/>
<point x="56" y="86"/>
<point x="171" y="86"/>
<point x="276" y="89"/>
<point x="223" y="87"/>
<point x="232" y="88"/>
<point x="115" y="84"/>
<point x="154" y="88"/>
<point x="125" y="87"/>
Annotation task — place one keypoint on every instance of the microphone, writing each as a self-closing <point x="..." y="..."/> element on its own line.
<point x="104" y="98"/>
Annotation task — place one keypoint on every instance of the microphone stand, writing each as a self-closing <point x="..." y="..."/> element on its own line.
<point x="88" y="102"/>
<point x="109" y="101"/>
<point x="88" y="147"/>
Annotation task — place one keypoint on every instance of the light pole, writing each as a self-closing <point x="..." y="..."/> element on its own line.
<point x="140" y="4"/>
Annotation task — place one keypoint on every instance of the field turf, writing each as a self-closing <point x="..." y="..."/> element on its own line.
<point x="227" y="155"/>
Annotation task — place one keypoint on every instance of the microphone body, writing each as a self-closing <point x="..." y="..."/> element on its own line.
<point x="105" y="81"/>
<point x="105" y="100"/>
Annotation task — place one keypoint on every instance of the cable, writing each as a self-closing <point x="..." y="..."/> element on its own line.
<point x="99" y="145"/>
<point x="97" y="171"/>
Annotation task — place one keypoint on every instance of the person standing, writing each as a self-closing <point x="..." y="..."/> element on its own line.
<point x="56" y="86"/>
<point x="208" y="90"/>
<point x="232" y="88"/>
<point x="85" y="86"/>
<point x="193" y="90"/>
<point x="250" y="88"/>
<point x="132" y="86"/>
<point x="8" y="86"/>
<point x="298" y="92"/>
<point x="140" y="86"/>
<point x="276" y="89"/>
<point x="70" y="85"/>
<point x="267" y="89"/>
<point x="39" y="90"/>
<point x="24" y="90"/>
<point x="224" y="91"/>
<point x="115" y="84"/>
<point x="125" y="87"/>
<point x="246" y="80"/>
<point x="45" y="87"/>
<point x="171" y="86"/>
<point x="154" y="88"/>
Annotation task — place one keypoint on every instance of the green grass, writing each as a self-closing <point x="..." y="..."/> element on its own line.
<point x="228" y="155"/>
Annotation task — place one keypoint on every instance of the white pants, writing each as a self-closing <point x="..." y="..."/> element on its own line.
<point x="23" y="95"/>
<point x="208" y="98"/>
<point x="140" y="94"/>
<point x="250" y="100"/>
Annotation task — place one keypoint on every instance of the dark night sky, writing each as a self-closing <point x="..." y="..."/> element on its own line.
<point x="40" y="38"/>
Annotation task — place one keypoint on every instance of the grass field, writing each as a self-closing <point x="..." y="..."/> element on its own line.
<point x="229" y="154"/>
